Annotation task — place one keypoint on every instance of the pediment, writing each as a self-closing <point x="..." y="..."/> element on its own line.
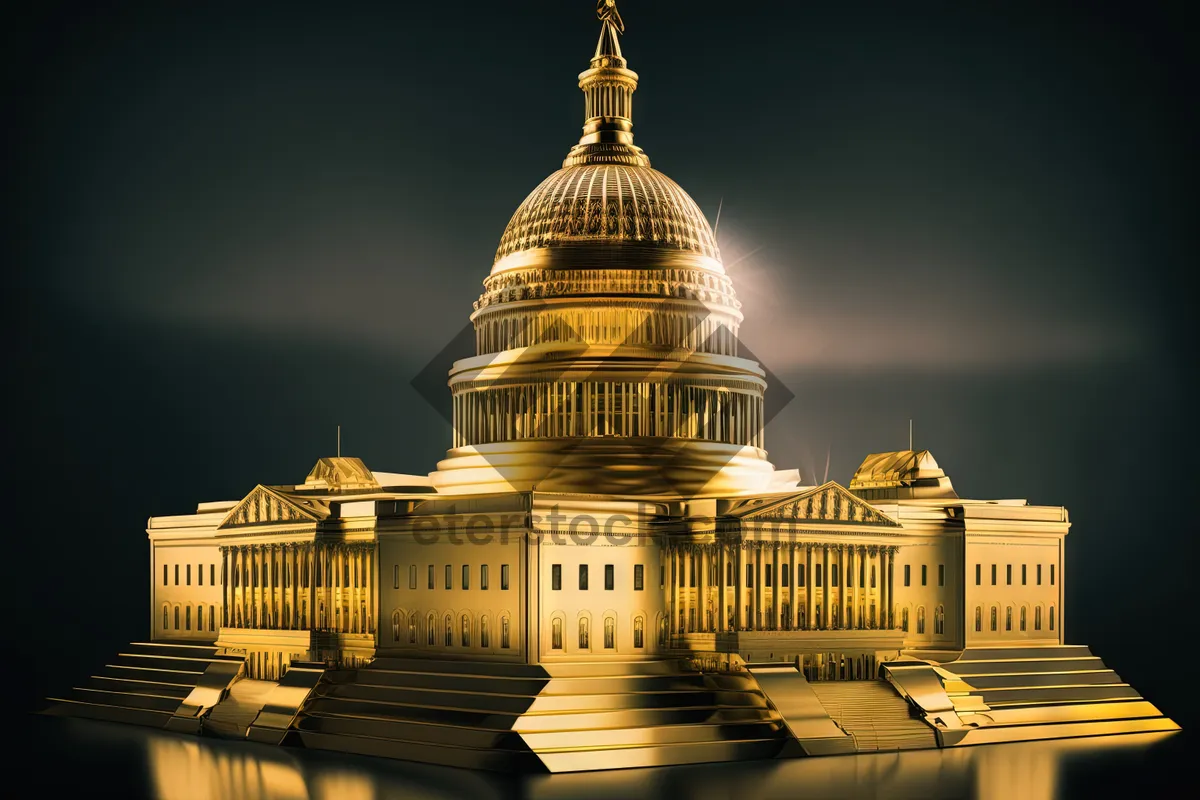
<point x="828" y="503"/>
<point x="264" y="506"/>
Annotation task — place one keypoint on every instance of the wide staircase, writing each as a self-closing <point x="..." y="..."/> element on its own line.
<point x="230" y="718"/>
<point x="558" y="717"/>
<point x="648" y="713"/>
<point x="1009" y="677"/>
<point x="144" y="685"/>
<point x="876" y="716"/>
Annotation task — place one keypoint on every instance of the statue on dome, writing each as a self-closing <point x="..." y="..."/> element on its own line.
<point x="606" y="11"/>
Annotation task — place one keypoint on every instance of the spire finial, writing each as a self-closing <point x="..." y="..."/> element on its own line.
<point x="608" y="88"/>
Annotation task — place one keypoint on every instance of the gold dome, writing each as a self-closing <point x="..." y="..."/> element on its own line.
<point x="611" y="203"/>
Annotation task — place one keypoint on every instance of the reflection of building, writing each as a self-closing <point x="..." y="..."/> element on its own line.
<point x="584" y="579"/>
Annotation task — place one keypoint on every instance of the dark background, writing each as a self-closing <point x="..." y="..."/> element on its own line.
<point x="232" y="227"/>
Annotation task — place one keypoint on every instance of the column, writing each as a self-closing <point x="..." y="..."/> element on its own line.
<point x="373" y="587"/>
<point x="676" y="578"/>
<point x="310" y="556"/>
<point x="808" y="587"/>
<point x="722" y="579"/>
<point x="226" y="588"/>
<point x="739" y="587"/>
<point x="296" y="554"/>
<point x="756" y="616"/>
<point x="844" y="588"/>
<point x="824" y="586"/>
<point x="689" y="575"/>
<point x="794" y="589"/>
<point x="891" y="574"/>
<point x="776" y="586"/>
<point x="702" y="591"/>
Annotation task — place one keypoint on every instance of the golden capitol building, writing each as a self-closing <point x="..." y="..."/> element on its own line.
<point x="606" y="570"/>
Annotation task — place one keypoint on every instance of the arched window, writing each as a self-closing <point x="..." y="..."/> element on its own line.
<point x="1023" y="614"/>
<point x="662" y="632"/>
<point x="584" y="642"/>
<point x="212" y="618"/>
<point x="176" y="617"/>
<point x="484" y="639"/>
<point x="187" y="618"/>
<point x="556" y="633"/>
<point x="448" y="634"/>
<point x="430" y="627"/>
<point x="504" y="640"/>
<point x="939" y="620"/>
<point x="1008" y="618"/>
<point x="1051" y="617"/>
<point x="978" y="619"/>
<point x="200" y="617"/>
<point x="833" y="616"/>
<point x="166" y="616"/>
<point x="466" y="630"/>
<point x="920" y="619"/>
<point x="1037" y="618"/>
<point x="904" y="619"/>
<point x="412" y="627"/>
<point x="638" y="631"/>
<point x="995" y="611"/>
<point x="395" y="626"/>
<point x="610" y="633"/>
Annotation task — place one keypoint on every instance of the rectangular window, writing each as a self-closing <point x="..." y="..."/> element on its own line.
<point x="1023" y="568"/>
<point x="556" y="577"/>
<point x="819" y="574"/>
<point x="833" y="575"/>
<point x="800" y="575"/>
<point x="907" y="575"/>
<point x="637" y="577"/>
<point x="941" y="574"/>
<point x="978" y="574"/>
<point x="768" y="577"/>
<point x="583" y="577"/>
<point x="164" y="578"/>
<point x="504" y="582"/>
<point x="993" y="574"/>
<point x="749" y="576"/>
<point x="431" y="576"/>
<point x="608" y="577"/>
<point x="212" y="574"/>
<point x="483" y="577"/>
<point x="924" y="574"/>
<point x="449" y="575"/>
<point x="786" y="577"/>
<point x="188" y="573"/>
<point x="200" y="574"/>
<point x="1039" y="574"/>
<point x="1008" y="574"/>
<point x="1051" y="574"/>
<point x="395" y="576"/>
<point x="412" y="576"/>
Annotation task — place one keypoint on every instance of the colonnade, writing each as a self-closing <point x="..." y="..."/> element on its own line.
<point x="718" y="587"/>
<point x="301" y="585"/>
<point x="598" y="408"/>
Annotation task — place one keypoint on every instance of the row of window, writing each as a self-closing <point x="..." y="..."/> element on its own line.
<point x="187" y="575"/>
<point x="939" y="620"/>
<point x="187" y="617"/>
<point x="465" y="629"/>
<point x="1008" y="618"/>
<point x="1008" y="577"/>
<point x="639" y="577"/>
<point x="465" y="583"/>
<point x="925" y="574"/>
<point x="583" y="629"/>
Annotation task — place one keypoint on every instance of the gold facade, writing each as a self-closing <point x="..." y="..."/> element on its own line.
<point x="605" y="570"/>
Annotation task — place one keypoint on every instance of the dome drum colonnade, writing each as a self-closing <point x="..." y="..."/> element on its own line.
<point x="606" y="335"/>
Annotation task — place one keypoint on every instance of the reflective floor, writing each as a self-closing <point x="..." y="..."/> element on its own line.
<point x="77" y="756"/>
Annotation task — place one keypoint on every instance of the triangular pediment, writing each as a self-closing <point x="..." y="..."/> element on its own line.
<point x="828" y="503"/>
<point x="265" y="506"/>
